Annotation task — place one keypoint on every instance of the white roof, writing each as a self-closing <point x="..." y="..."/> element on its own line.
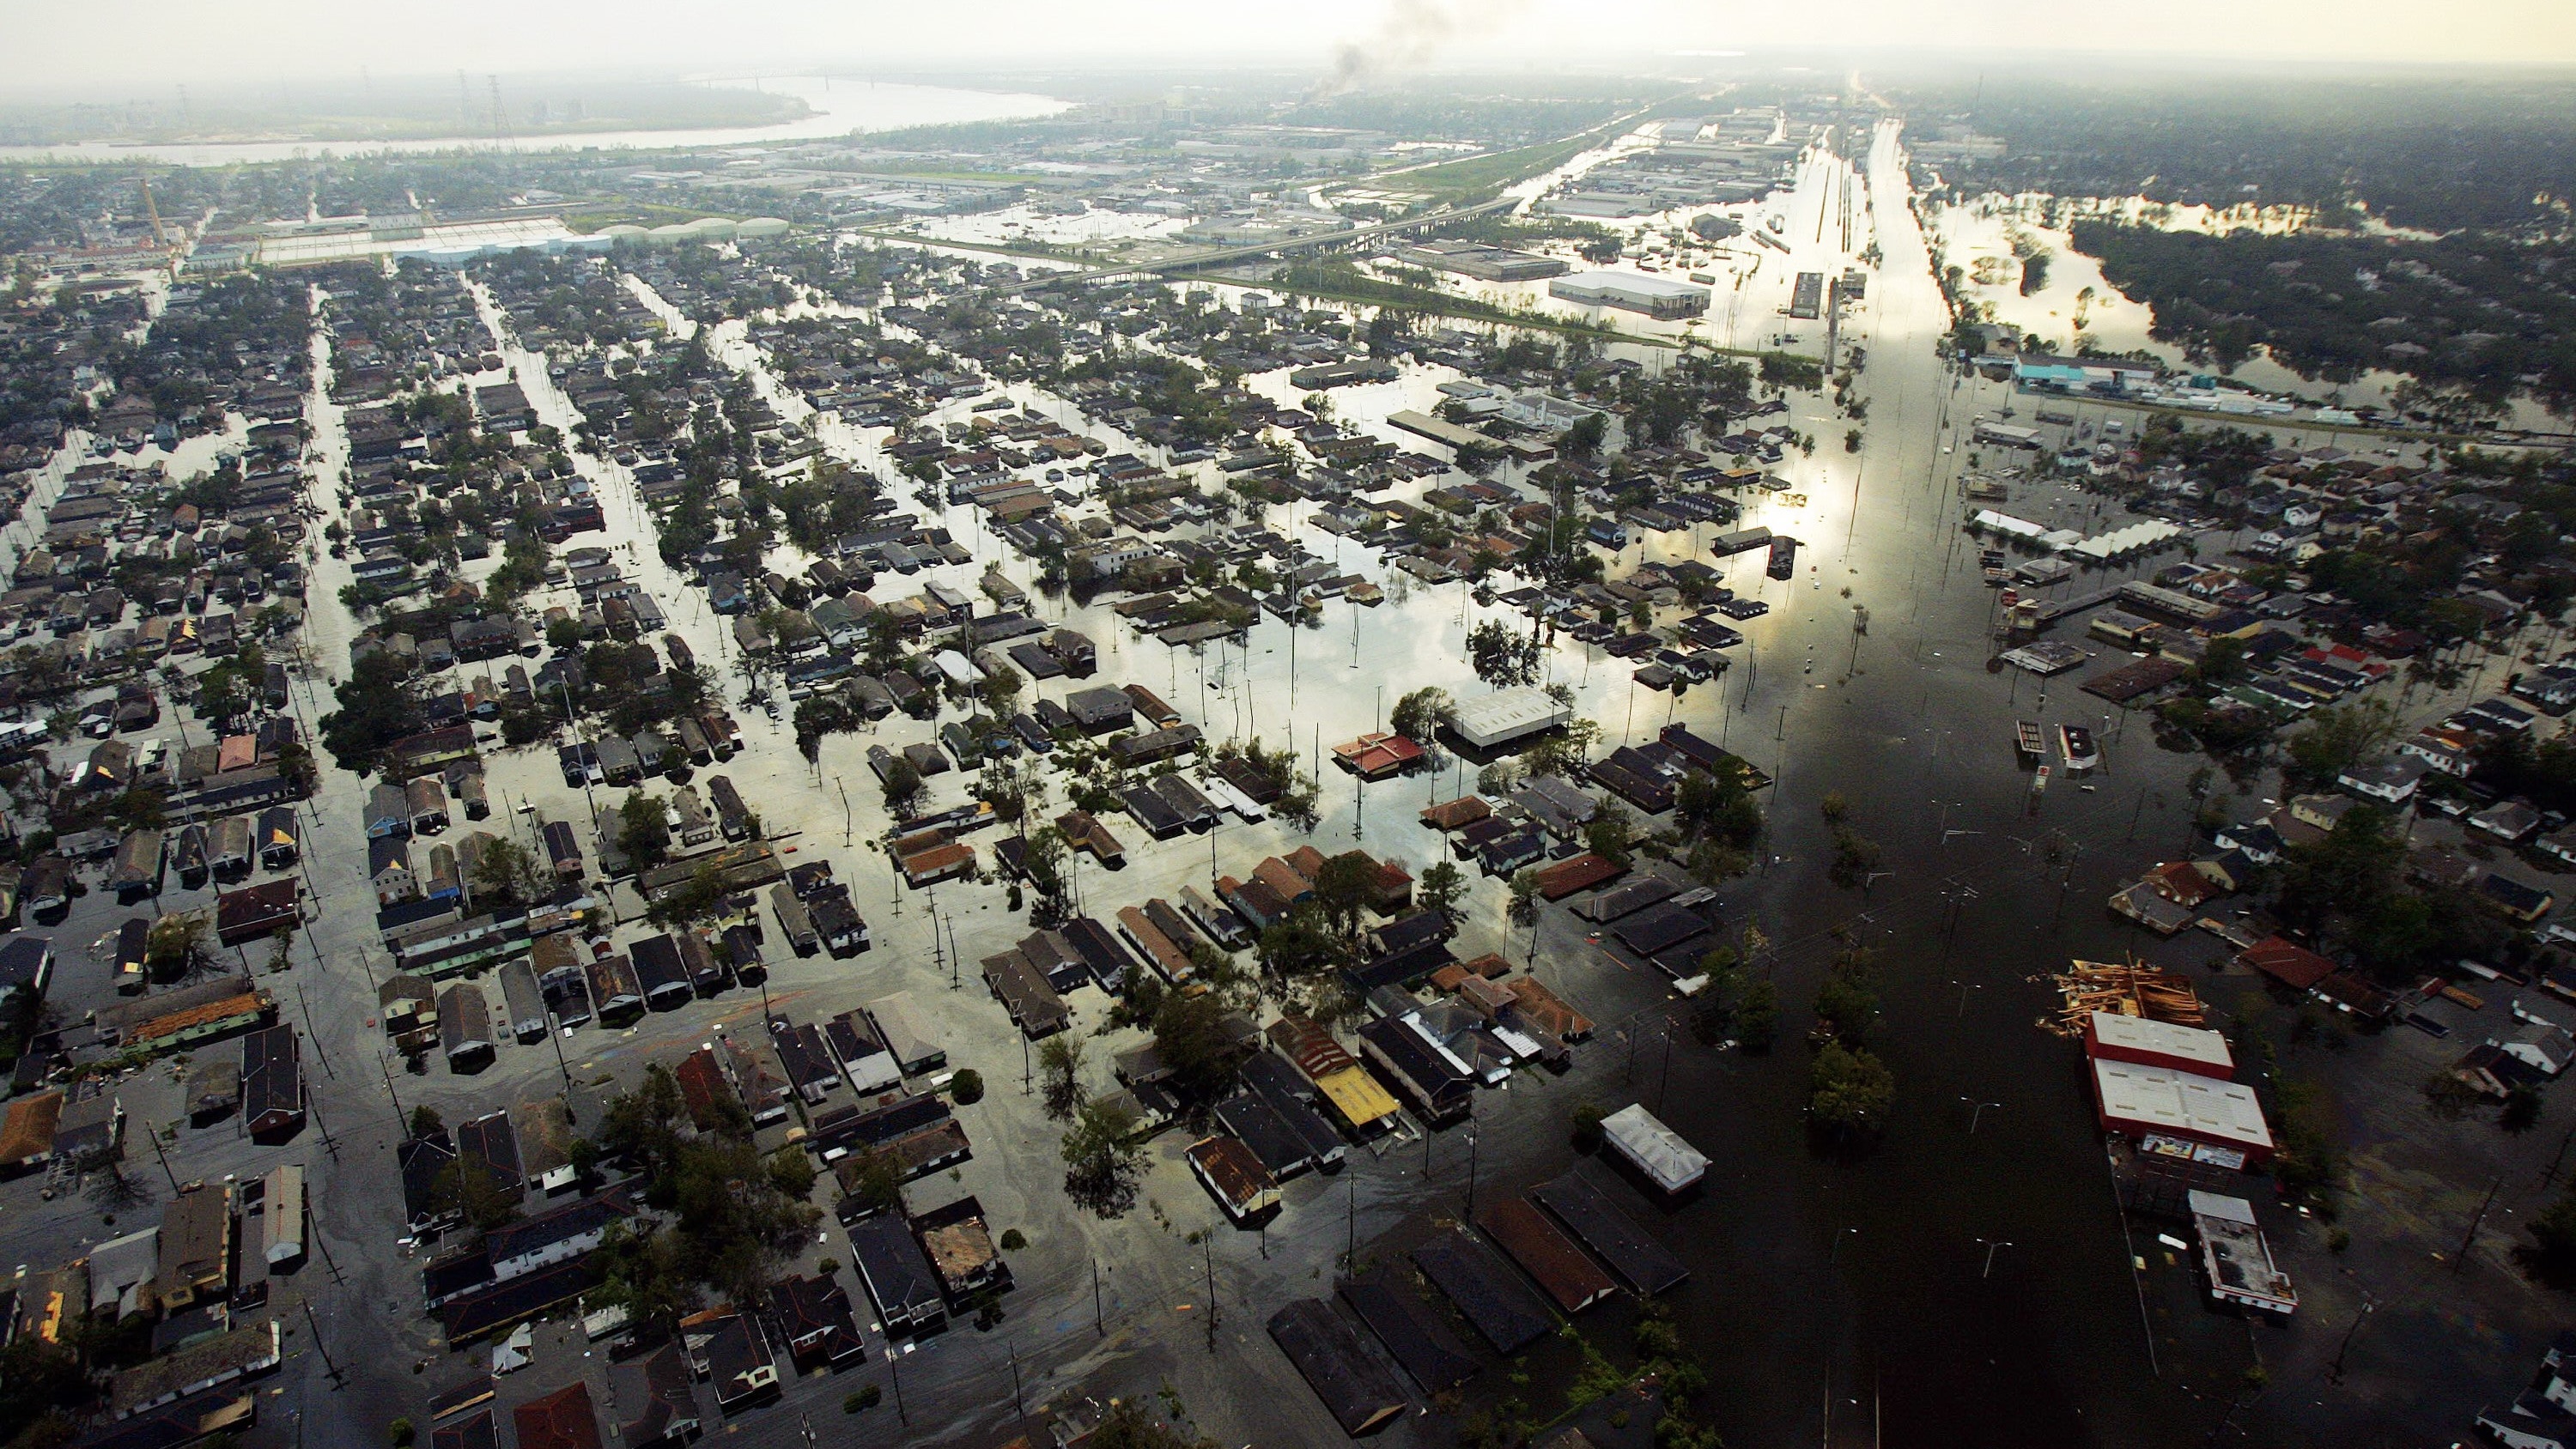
<point x="1635" y="284"/>
<point x="1507" y="713"/>
<point x="2222" y="1207"/>
<point x="2186" y="1043"/>
<point x="1657" y="1150"/>
<point x="2160" y="1098"/>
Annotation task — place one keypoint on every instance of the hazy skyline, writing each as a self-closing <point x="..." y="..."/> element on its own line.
<point x="116" y="48"/>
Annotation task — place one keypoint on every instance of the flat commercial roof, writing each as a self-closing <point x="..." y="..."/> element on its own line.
<point x="2162" y="1099"/>
<point x="1635" y="284"/>
<point x="2161" y="1043"/>
<point x="1507" y="714"/>
<point x="1632" y="1253"/>
<point x="1438" y="430"/>
<point x="1656" y="1149"/>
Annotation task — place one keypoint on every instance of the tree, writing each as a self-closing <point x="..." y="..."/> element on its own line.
<point x="1851" y="1090"/>
<point x="171" y="948"/>
<point x="1610" y="832"/>
<point x="1757" y="1016"/>
<point x="1847" y="999"/>
<point x="1585" y="437"/>
<point x="109" y="1183"/>
<point x="2353" y="870"/>
<point x="1420" y="713"/>
<point x="1525" y="900"/>
<point x="506" y="873"/>
<point x="1440" y="887"/>
<point x="1190" y="1036"/>
<point x="1101" y="1164"/>
<point x="877" y="1180"/>
<point x="2339" y="737"/>
<point x="1502" y="655"/>
<point x="902" y="786"/>
<point x="1060" y="1075"/>
<point x="40" y="1382"/>
<point x="643" y="832"/>
<point x="2552" y="1254"/>
<point x="1856" y="856"/>
<point x="967" y="1087"/>
<point x="1342" y="889"/>
<point x="376" y="708"/>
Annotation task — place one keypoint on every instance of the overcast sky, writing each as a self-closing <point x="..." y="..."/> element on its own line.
<point x="117" y="48"/>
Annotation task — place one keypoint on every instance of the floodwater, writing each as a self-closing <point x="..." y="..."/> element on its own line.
<point x="2114" y="322"/>
<point x="1836" y="1297"/>
<point x="842" y="105"/>
<point x="1857" y="1280"/>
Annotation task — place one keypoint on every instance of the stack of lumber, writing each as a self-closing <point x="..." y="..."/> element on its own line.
<point x="2126" y="988"/>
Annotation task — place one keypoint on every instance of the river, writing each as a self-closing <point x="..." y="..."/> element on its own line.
<point x="841" y="106"/>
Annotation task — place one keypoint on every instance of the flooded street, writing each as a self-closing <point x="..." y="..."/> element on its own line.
<point x="1965" y="1281"/>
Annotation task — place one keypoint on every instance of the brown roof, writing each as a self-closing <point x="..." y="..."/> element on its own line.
<point x="1543" y="1250"/>
<point x="1310" y="1046"/>
<point x="28" y="1132"/>
<point x="1232" y="1168"/>
<point x="249" y="1003"/>
<point x="1453" y="814"/>
<point x="248" y="914"/>
<point x="563" y="1419"/>
<point x="1583" y="872"/>
<point x="1549" y="1010"/>
<point x="2284" y="961"/>
<point x="1283" y="878"/>
<point x="935" y="860"/>
<point x="959" y="1250"/>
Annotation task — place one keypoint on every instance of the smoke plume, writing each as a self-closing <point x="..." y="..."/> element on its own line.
<point x="1409" y="35"/>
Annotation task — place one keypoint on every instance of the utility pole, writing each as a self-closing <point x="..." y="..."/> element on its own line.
<point x="2334" y="1373"/>
<point x="1099" y="1322"/>
<point x="1207" y="1256"/>
<point x="1351" y="1223"/>
<point x="387" y="1073"/>
<point x="2461" y="1258"/>
<point x="338" y="1379"/>
<point x="165" y="1164"/>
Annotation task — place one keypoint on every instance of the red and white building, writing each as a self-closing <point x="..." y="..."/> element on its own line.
<point x="2110" y="1036"/>
<point x="2167" y="1085"/>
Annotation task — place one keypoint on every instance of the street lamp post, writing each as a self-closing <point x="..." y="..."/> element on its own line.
<point x="1991" y="1246"/>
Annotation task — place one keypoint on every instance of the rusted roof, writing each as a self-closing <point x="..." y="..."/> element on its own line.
<point x="28" y="1131"/>
<point x="2287" y="962"/>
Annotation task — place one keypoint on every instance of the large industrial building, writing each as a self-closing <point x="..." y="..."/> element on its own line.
<point x="1485" y="263"/>
<point x="1489" y="720"/>
<point x="1632" y="292"/>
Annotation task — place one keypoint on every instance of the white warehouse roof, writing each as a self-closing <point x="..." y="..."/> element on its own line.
<point x="1633" y="284"/>
<point x="1657" y="1150"/>
<point x="2160" y="1099"/>
<point x="1507" y="714"/>
<point x="2188" y="1044"/>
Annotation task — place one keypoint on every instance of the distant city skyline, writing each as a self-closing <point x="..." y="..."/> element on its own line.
<point x="108" y="50"/>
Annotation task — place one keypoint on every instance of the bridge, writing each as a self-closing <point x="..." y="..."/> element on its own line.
<point x="1215" y="256"/>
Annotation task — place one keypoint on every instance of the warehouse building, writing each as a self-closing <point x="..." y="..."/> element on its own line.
<point x="1490" y="721"/>
<point x="1632" y="292"/>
